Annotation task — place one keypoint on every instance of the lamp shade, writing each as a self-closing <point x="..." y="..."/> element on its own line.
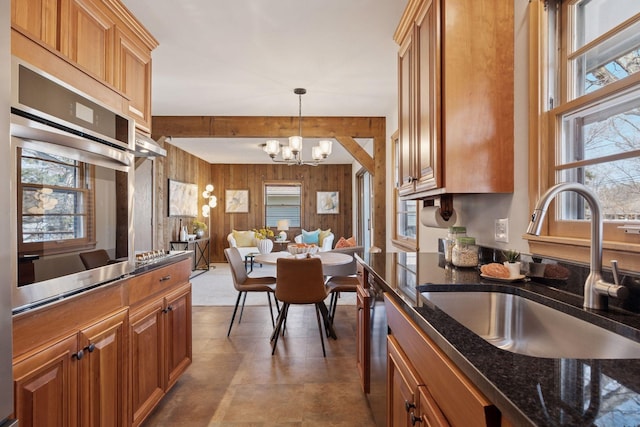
<point x="283" y="224"/>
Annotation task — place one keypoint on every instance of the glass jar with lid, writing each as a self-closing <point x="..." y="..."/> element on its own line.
<point x="449" y="242"/>
<point x="465" y="252"/>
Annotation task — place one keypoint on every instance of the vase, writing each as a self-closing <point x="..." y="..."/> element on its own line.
<point x="265" y="246"/>
<point x="183" y="233"/>
<point x="200" y="233"/>
<point x="514" y="269"/>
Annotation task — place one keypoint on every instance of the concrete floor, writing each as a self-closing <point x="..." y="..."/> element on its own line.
<point x="236" y="382"/>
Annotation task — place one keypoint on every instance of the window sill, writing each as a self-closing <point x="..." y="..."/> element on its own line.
<point x="405" y="245"/>
<point x="579" y="250"/>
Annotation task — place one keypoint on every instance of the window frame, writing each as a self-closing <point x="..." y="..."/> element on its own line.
<point x="563" y="239"/>
<point x="86" y="187"/>
<point x="267" y="184"/>
<point x="398" y="240"/>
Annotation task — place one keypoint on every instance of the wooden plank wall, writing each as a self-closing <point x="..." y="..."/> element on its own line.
<point x="182" y="166"/>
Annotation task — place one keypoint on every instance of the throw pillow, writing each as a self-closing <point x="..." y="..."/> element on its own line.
<point x="345" y="243"/>
<point x="322" y="234"/>
<point x="244" y="238"/>
<point x="310" y="236"/>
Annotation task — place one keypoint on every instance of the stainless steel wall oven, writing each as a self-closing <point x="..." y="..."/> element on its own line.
<point x="72" y="194"/>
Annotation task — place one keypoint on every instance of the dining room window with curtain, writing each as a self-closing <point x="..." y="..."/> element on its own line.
<point x="282" y="201"/>
<point x="590" y="108"/>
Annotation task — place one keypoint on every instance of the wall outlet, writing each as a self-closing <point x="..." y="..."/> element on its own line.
<point x="502" y="230"/>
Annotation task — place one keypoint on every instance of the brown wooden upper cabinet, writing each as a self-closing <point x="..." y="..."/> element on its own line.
<point x="134" y="79"/>
<point x="101" y="39"/>
<point x="455" y="109"/>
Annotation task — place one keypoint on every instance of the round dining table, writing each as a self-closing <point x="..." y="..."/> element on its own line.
<point x="327" y="258"/>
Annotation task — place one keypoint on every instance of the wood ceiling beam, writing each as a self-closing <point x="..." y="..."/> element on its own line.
<point x="357" y="152"/>
<point x="265" y="126"/>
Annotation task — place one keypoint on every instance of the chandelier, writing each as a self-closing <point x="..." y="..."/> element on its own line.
<point x="292" y="153"/>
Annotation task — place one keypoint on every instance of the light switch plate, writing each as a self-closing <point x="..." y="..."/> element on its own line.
<point x="502" y="230"/>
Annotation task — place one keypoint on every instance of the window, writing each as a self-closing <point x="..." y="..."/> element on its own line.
<point x="282" y="201"/>
<point x="405" y="227"/>
<point x="588" y="128"/>
<point x="55" y="203"/>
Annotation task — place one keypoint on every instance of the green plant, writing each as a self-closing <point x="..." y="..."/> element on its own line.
<point x="263" y="233"/>
<point x="511" y="255"/>
<point x="198" y="225"/>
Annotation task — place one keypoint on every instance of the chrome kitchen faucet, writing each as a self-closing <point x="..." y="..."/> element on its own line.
<point x="596" y="290"/>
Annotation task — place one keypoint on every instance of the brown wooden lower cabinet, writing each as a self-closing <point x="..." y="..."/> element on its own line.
<point x="77" y="381"/>
<point x="160" y="348"/>
<point x="105" y="357"/>
<point x="363" y="356"/>
<point x="424" y="384"/>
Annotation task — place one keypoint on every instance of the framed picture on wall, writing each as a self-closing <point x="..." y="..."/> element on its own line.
<point x="236" y="201"/>
<point x="183" y="199"/>
<point x="328" y="202"/>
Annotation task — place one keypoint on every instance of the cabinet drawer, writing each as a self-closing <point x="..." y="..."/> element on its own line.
<point x="151" y="283"/>
<point x="457" y="397"/>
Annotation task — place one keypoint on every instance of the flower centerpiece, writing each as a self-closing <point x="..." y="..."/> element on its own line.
<point x="263" y="233"/>
<point x="265" y="245"/>
<point x="199" y="228"/>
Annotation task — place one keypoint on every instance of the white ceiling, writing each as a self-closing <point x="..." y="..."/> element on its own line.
<point x="245" y="57"/>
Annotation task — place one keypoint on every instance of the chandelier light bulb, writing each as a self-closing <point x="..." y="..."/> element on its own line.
<point x="272" y="147"/>
<point x="287" y="154"/>
<point x="295" y="143"/>
<point x="213" y="201"/>
<point x="209" y="188"/>
<point x="325" y="147"/>
<point x="316" y="153"/>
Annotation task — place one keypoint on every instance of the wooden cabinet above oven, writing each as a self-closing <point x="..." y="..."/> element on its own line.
<point x="96" y="46"/>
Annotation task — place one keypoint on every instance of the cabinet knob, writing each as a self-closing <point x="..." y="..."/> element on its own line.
<point x="415" y="419"/>
<point x="165" y="278"/>
<point x="90" y="347"/>
<point x="409" y="405"/>
<point x="168" y="309"/>
<point x="79" y="355"/>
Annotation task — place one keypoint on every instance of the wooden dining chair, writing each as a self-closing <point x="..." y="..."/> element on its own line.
<point x="245" y="284"/>
<point x="300" y="281"/>
<point x="342" y="278"/>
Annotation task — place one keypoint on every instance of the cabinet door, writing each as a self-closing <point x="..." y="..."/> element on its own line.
<point x="133" y="65"/>
<point x="46" y="389"/>
<point x="427" y="111"/>
<point x="405" y="111"/>
<point x="147" y="358"/>
<point x="178" y="333"/>
<point x="363" y="353"/>
<point x="429" y="412"/>
<point x="103" y="372"/>
<point x="38" y="19"/>
<point x="88" y="37"/>
<point x="402" y="385"/>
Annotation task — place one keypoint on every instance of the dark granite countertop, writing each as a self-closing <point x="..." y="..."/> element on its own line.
<point x="528" y="390"/>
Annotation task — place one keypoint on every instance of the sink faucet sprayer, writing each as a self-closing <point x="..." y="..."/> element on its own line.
<point x="596" y="290"/>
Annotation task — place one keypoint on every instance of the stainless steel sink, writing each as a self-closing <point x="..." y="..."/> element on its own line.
<point x="522" y="326"/>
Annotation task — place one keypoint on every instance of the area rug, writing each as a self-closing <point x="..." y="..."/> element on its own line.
<point x="215" y="287"/>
